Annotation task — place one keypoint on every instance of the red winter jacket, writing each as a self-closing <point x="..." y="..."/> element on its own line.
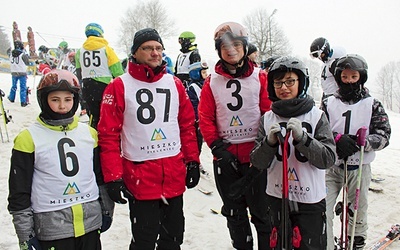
<point x="207" y="111"/>
<point x="152" y="179"/>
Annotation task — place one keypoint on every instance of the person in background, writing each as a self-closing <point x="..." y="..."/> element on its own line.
<point x="267" y="63"/>
<point x="19" y="61"/>
<point x="56" y="194"/>
<point x="170" y="65"/>
<point x="96" y="65"/>
<point x="189" y="55"/>
<point x="64" y="61"/>
<point x="312" y="151"/>
<point x="349" y="109"/>
<point x="253" y="54"/>
<point x="198" y="73"/>
<point x="148" y="145"/>
<point x="231" y="104"/>
<point x="321" y="49"/>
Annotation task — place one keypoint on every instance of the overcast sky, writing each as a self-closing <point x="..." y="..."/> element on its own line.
<point x="370" y="28"/>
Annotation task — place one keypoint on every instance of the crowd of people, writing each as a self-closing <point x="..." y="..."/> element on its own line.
<point x="149" y="120"/>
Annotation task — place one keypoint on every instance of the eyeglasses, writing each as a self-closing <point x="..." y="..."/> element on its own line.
<point x="235" y="45"/>
<point x="149" y="49"/>
<point x="288" y="83"/>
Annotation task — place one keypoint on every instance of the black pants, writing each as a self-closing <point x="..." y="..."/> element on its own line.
<point x="309" y="218"/>
<point x="89" y="241"/>
<point x="92" y="93"/>
<point x="235" y="211"/>
<point x="152" y="219"/>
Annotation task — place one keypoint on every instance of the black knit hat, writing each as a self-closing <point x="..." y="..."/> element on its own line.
<point x="144" y="35"/>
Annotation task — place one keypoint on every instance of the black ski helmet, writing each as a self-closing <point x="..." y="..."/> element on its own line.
<point x="57" y="79"/>
<point x="288" y="64"/>
<point x="354" y="62"/>
<point x="320" y="48"/>
<point x="230" y="31"/>
<point x="267" y="63"/>
<point x="43" y="49"/>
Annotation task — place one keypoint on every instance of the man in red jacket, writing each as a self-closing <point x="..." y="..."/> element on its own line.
<point x="232" y="102"/>
<point x="148" y="145"/>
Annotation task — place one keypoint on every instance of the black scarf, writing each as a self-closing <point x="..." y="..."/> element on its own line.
<point x="293" y="107"/>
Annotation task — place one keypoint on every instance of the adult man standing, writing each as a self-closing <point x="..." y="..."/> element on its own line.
<point x="148" y="145"/>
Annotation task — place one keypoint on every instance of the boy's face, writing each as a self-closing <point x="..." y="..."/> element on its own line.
<point x="288" y="87"/>
<point x="60" y="101"/>
<point x="232" y="51"/>
<point x="204" y="73"/>
<point x="349" y="76"/>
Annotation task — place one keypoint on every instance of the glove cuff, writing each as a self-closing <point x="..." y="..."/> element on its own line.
<point x="337" y="137"/>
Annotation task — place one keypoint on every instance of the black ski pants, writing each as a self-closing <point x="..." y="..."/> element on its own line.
<point x="309" y="218"/>
<point x="92" y="94"/>
<point x="157" y="221"/>
<point x="235" y="211"/>
<point x="89" y="241"/>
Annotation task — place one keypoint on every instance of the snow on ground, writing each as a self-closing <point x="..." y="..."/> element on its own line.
<point x="204" y="230"/>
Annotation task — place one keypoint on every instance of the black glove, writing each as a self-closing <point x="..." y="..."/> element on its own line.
<point x="240" y="187"/>
<point x="114" y="190"/>
<point x="346" y="146"/>
<point x="192" y="174"/>
<point x="31" y="244"/>
<point x="106" y="223"/>
<point x="226" y="159"/>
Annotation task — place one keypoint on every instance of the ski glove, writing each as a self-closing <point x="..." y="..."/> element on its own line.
<point x="107" y="208"/>
<point x="240" y="187"/>
<point x="114" y="190"/>
<point x="31" y="244"/>
<point x="226" y="160"/>
<point x="294" y="125"/>
<point x="272" y="139"/>
<point x="192" y="174"/>
<point x="346" y="145"/>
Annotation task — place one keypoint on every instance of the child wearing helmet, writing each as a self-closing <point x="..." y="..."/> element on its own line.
<point x="311" y="151"/>
<point x="62" y="199"/>
<point x="19" y="60"/>
<point x="65" y="57"/>
<point x="231" y="104"/>
<point x="321" y="49"/>
<point x="349" y="109"/>
<point x="189" y="55"/>
<point x="198" y="73"/>
<point x="96" y="65"/>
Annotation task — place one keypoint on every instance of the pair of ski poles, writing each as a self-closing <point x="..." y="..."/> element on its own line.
<point x="285" y="225"/>
<point x="344" y="244"/>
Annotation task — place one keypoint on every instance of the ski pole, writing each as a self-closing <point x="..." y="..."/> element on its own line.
<point x="343" y="228"/>
<point x="361" y="135"/>
<point x="285" y="224"/>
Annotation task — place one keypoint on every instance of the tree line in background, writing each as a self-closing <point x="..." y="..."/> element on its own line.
<point x="264" y="32"/>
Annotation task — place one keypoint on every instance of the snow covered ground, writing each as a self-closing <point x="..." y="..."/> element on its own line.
<point x="204" y="230"/>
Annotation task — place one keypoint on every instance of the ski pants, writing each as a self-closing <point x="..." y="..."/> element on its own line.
<point x="92" y="93"/>
<point x="235" y="211"/>
<point x="22" y="91"/>
<point x="89" y="241"/>
<point x="334" y="183"/>
<point x="152" y="219"/>
<point x="309" y="218"/>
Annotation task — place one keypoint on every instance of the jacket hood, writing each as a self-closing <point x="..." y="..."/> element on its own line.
<point x="94" y="42"/>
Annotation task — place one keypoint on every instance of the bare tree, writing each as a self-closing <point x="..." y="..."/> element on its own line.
<point x="4" y="41"/>
<point x="388" y="80"/>
<point x="149" y="14"/>
<point x="266" y="34"/>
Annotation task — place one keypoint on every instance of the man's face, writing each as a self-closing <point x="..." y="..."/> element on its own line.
<point x="149" y="53"/>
